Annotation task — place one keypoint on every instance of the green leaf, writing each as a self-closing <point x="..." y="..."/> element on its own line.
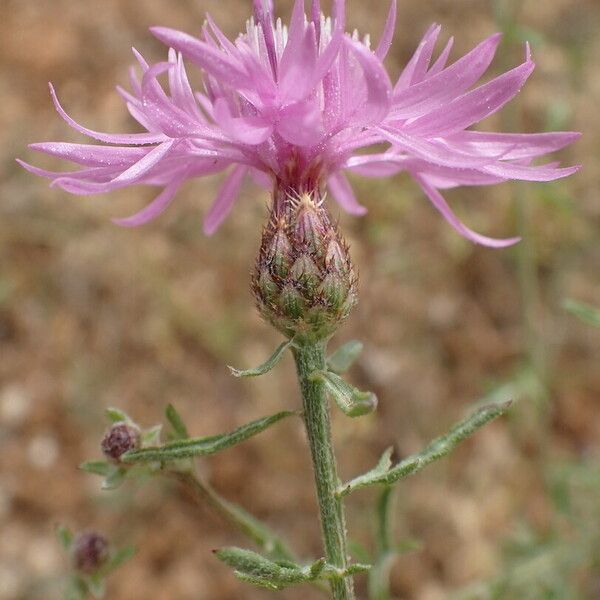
<point x="65" y="536"/>
<point x="584" y="312"/>
<point x="115" y="478"/>
<point x="266" y="366"/>
<point x="203" y="446"/>
<point x="344" y="357"/>
<point x="97" y="586"/>
<point x="258" y="570"/>
<point x="437" y="449"/>
<point x="77" y="588"/>
<point x="97" y="467"/>
<point x="120" y="557"/>
<point x="151" y="437"/>
<point x="174" y="418"/>
<point x="116" y="415"/>
<point x="353" y="402"/>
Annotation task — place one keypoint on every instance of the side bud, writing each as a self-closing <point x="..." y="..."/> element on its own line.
<point x="90" y="552"/>
<point x="304" y="282"/>
<point x="120" y="438"/>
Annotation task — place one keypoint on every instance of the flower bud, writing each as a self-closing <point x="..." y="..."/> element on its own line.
<point x="90" y="552"/>
<point x="304" y="281"/>
<point x="120" y="438"/>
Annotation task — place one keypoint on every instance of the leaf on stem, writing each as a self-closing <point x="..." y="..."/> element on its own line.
<point x="584" y="312"/>
<point x="344" y="357"/>
<point x="180" y="431"/>
<point x="352" y="401"/>
<point x="269" y="364"/>
<point x="258" y="570"/>
<point x="97" y="467"/>
<point x="253" y="568"/>
<point x="65" y="536"/>
<point x="437" y="449"/>
<point x="116" y="415"/>
<point x="202" y="446"/>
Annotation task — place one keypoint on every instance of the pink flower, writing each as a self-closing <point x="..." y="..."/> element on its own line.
<point x="296" y="107"/>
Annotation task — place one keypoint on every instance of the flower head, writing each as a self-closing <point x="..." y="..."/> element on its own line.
<point x="90" y="552"/>
<point x="296" y="107"/>
<point x="120" y="438"/>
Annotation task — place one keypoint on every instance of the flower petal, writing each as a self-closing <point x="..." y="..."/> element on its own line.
<point x="343" y="194"/>
<point x="434" y="91"/>
<point x="472" y="106"/>
<point x="154" y="209"/>
<point x="298" y="66"/>
<point x="432" y="152"/>
<point x="214" y="61"/>
<point x="247" y="130"/>
<point x="133" y="139"/>
<point x="91" y="155"/>
<point x="528" y="173"/>
<point x="442" y="206"/>
<point x="224" y="203"/>
<point x="385" y="42"/>
<point x="417" y="66"/>
<point x="513" y="145"/>
<point x="378" y="86"/>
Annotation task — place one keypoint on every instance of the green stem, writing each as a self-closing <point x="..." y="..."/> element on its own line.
<point x="379" y="575"/>
<point x="309" y="359"/>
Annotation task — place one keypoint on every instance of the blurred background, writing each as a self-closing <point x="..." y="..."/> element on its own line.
<point x="92" y="315"/>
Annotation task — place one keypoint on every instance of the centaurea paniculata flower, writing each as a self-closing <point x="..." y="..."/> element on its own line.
<point x="296" y="107"/>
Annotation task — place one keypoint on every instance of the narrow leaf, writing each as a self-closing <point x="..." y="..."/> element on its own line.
<point x="174" y="418"/>
<point x="151" y="437"/>
<point x="266" y="366"/>
<point x="97" y="467"/>
<point x="116" y="415"/>
<point x="205" y="445"/>
<point x="584" y="312"/>
<point x="120" y="557"/>
<point x="254" y="568"/>
<point x="344" y="357"/>
<point x="65" y="536"/>
<point x="437" y="449"/>
<point x="114" y="479"/>
<point x="97" y="587"/>
<point x="353" y="402"/>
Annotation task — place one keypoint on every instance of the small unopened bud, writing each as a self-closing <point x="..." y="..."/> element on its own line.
<point x="120" y="438"/>
<point x="90" y="552"/>
<point x="304" y="282"/>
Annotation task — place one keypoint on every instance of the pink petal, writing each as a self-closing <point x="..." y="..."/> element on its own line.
<point x="442" y="59"/>
<point x="154" y="209"/>
<point x="263" y="11"/>
<point x="225" y="200"/>
<point x="385" y="42"/>
<point x="442" y="206"/>
<point x="432" y="152"/>
<point x="417" y="66"/>
<point x="134" y="139"/>
<point x="379" y="86"/>
<point x="214" y="61"/>
<point x="513" y="145"/>
<point x="342" y="192"/>
<point x="434" y="91"/>
<point x="472" y="106"/>
<point x="298" y="66"/>
<point x="91" y="155"/>
<point x="131" y="175"/>
<point x="300" y="124"/>
<point x="247" y="130"/>
<point x="525" y="173"/>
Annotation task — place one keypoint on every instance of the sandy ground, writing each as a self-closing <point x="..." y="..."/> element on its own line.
<point x="92" y="316"/>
